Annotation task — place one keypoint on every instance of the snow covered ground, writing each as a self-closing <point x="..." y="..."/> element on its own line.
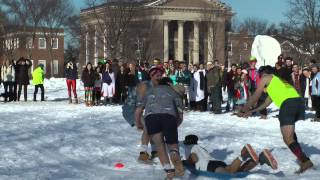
<point x="55" y="140"/>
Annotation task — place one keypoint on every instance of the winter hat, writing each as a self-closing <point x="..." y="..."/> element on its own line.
<point x="154" y="70"/>
<point x="179" y="89"/>
<point x="253" y="59"/>
<point x="190" y="139"/>
<point x="244" y="71"/>
<point x="41" y="65"/>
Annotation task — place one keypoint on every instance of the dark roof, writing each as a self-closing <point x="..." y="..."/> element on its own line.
<point x="130" y="3"/>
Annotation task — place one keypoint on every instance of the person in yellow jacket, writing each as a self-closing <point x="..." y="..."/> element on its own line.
<point x="292" y="109"/>
<point x="37" y="81"/>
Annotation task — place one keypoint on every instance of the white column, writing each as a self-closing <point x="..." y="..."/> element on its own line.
<point x="95" y="47"/>
<point x="180" y="41"/>
<point x="165" y="41"/>
<point x="105" y="44"/>
<point x="196" y="42"/>
<point x="87" y="48"/>
<point x="210" y="41"/>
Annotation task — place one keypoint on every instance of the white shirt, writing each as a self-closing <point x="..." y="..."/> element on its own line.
<point x="202" y="154"/>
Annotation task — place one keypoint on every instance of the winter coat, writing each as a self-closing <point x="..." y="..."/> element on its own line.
<point x="295" y="79"/>
<point x="106" y="78"/>
<point x="183" y="77"/>
<point x="22" y="72"/>
<point x="213" y="78"/>
<point x="304" y="86"/>
<point x="37" y="76"/>
<point x="199" y="84"/>
<point x="316" y="85"/>
<point x="121" y="80"/>
<point x="88" y="78"/>
<point x="71" y="72"/>
<point x="230" y="80"/>
<point x="8" y="73"/>
<point x="132" y="79"/>
<point x="241" y="92"/>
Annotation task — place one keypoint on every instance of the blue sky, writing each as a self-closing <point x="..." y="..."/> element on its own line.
<point x="270" y="10"/>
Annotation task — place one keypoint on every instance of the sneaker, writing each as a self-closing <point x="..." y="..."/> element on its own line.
<point x="304" y="166"/>
<point x="266" y="157"/>
<point x="154" y="154"/>
<point x="170" y="173"/>
<point x="144" y="157"/>
<point x="177" y="163"/>
<point x="248" y="152"/>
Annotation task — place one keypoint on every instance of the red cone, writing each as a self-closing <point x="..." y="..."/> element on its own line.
<point x="119" y="166"/>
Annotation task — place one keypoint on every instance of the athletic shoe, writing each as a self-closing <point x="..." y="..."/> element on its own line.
<point x="144" y="157"/>
<point x="266" y="157"/>
<point x="177" y="163"/>
<point x="154" y="154"/>
<point x="304" y="166"/>
<point x="248" y="152"/>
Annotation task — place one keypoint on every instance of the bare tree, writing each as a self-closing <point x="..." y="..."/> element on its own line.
<point x="303" y="25"/>
<point x="113" y="21"/>
<point x="254" y="26"/>
<point x="52" y="23"/>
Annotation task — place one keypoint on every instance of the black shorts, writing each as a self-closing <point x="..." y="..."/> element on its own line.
<point x="165" y="123"/>
<point x="292" y="110"/>
<point x="213" y="165"/>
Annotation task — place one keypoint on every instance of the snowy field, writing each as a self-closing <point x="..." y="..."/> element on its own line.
<point x="55" y="140"/>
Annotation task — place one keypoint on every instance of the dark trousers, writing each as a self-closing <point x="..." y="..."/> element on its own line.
<point x="97" y="95"/>
<point x="36" y="92"/>
<point x="15" y="89"/>
<point x="25" y="91"/>
<point x="316" y="105"/>
<point x="216" y="99"/>
<point x="8" y="91"/>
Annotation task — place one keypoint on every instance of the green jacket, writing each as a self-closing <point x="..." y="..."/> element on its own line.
<point x="37" y="76"/>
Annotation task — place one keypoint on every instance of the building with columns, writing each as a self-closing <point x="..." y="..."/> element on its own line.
<point x="191" y="31"/>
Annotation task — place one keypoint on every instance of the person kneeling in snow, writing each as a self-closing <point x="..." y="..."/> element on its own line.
<point x="200" y="159"/>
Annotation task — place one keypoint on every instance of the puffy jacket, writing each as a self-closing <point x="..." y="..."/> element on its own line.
<point x="316" y="85"/>
<point x="71" y="72"/>
<point x="37" y="76"/>
<point x="8" y="73"/>
<point x="88" y="78"/>
<point x="22" y="74"/>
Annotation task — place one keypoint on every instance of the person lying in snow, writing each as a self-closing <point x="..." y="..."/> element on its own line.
<point x="200" y="159"/>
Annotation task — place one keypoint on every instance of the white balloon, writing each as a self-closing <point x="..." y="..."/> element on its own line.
<point x="266" y="49"/>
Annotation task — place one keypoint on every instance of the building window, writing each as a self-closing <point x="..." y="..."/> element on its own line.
<point x="245" y="46"/>
<point x="29" y="42"/>
<point x="55" y="67"/>
<point x="32" y="66"/>
<point x="42" y="43"/>
<point x="44" y="62"/>
<point x="54" y="43"/>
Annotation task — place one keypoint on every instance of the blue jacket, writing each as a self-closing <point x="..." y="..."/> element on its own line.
<point x="316" y="85"/>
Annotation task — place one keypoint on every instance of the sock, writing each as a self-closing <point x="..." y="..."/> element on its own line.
<point x="297" y="151"/>
<point x="143" y="148"/>
<point x="167" y="166"/>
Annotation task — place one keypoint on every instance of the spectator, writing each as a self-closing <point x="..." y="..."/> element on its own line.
<point x="8" y="77"/>
<point x="295" y="77"/>
<point x="230" y="80"/>
<point x="121" y="91"/>
<point x="108" y="84"/>
<point x="23" y="65"/>
<point x="97" y="86"/>
<point x="37" y="81"/>
<point x="305" y="85"/>
<point x="88" y="79"/>
<point x="200" y="88"/>
<point x="214" y="86"/>
<point x="287" y="70"/>
<point x="315" y="92"/>
<point x="71" y="74"/>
